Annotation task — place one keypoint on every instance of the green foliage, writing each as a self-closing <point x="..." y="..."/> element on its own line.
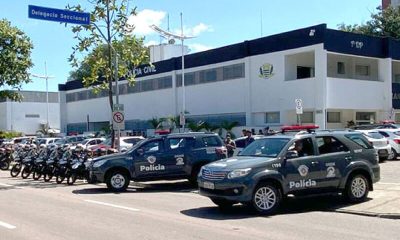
<point x="384" y="23"/>
<point x="156" y="123"/>
<point x="11" y="134"/>
<point x="15" y="60"/>
<point x="228" y="126"/>
<point x="195" y="127"/>
<point x="99" y="40"/>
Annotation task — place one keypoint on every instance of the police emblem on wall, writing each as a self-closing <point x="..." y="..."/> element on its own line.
<point x="266" y="71"/>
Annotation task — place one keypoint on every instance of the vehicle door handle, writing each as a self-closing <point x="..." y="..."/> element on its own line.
<point x="348" y="158"/>
<point x="314" y="163"/>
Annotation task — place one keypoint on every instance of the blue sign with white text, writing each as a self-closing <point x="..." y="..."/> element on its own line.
<point x="59" y="15"/>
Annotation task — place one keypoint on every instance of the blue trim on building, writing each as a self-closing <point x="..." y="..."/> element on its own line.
<point x="334" y="41"/>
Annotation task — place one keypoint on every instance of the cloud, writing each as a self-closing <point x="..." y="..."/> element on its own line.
<point x="197" y="47"/>
<point x="194" y="31"/>
<point x="144" y="19"/>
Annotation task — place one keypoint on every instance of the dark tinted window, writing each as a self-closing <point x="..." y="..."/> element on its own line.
<point x="304" y="147"/>
<point x="240" y="143"/>
<point x="328" y="144"/>
<point x="359" y="139"/>
<point x="211" y="142"/>
<point x="265" y="147"/>
<point x="384" y="134"/>
<point x="132" y="140"/>
<point x="152" y="147"/>
<point x="176" y="143"/>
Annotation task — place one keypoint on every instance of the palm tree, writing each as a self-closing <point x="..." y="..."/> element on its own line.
<point x="156" y="123"/>
<point x="195" y="127"/>
<point x="209" y="128"/>
<point x="228" y="126"/>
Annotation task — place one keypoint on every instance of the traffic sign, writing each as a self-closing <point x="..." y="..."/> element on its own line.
<point x="118" y="120"/>
<point x="299" y="106"/>
<point x="58" y="15"/>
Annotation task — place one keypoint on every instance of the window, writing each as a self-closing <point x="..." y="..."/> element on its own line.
<point x="359" y="140"/>
<point x="32" y="116"/>
<point x="208" y="76"/>
<point x="303" y="147"/>
<point x="396" y="78"/>
<point x="341" y="68"/>
<point x="152" y="147"/>
<point x="328" y="144"/>
<point x="384" y="134"/>
<point x="362" y="70"/>
<point x="272" y="117"/>
<point x="305" y="72"/>
<point x="233" y="71"/>
<point x="365" y="118"/>
<point x="307" y="117"/>
<point x="165" y="82"/>
<point x="333" y="117"/>
<point x="211" y="142"/>
<point x="176" y="143"/>
<point x="147" y="85"/>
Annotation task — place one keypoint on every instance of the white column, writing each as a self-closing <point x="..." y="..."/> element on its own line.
<point x="63" y="111"/>
<point x="175" y="93"/>
<point x="321" y="91"/>
<point x="385" y="75"/>
<point x="248" y="92"/>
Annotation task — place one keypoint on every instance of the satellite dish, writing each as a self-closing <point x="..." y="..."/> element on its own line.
<point x="171" y="41"/>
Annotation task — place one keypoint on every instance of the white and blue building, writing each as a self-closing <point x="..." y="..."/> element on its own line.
<point x="339" y="76"/>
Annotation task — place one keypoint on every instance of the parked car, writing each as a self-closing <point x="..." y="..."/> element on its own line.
<point x="241" y="143"/>
<point x="393" y="135"/>
<point x="16" y="140"/>
<point x="166" y="157"/>
<point x="306" y="163"/>
<point x="125" y="143"/>
<point x="46" y="141"/>
<point x="380" y="143"/>
<point x="90" y="142"/>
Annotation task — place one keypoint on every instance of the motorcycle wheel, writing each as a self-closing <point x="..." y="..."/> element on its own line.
<point x="25" y="172"/>
<point x="36" y="175"/>
<point x="4" y="165"/>
<point x="60" y="179"/>
<point x="71" y="179"/>
<point x="47" y="177"/>
<point x="15" y="170"/>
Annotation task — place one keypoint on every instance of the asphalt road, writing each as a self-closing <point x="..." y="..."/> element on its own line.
<point x="171" y="210"/>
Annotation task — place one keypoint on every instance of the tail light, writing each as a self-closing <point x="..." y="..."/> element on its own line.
<point x="221" y="150"/>
<point x="396" y="141"/>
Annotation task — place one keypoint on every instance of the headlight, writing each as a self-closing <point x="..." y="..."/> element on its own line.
<point x="98" y="163"/>
<point x="239" y="173"/>
<point x="200" y="172"/>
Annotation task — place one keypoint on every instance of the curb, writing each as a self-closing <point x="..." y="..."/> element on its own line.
<point x="369" y="214"/>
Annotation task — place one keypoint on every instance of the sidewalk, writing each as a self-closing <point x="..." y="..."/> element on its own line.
<point x="383" y="202"/>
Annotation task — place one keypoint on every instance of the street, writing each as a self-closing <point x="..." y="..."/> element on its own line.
<point x="171" y="210"/>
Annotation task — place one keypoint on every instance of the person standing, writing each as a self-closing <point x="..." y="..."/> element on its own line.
<point x="249" y="138"/>
<point x="230" y="145"/>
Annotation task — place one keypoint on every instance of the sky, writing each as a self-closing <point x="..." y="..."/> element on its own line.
<point x="215" y="23"/>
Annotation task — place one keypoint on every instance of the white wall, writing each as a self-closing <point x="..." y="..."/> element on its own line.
<point x="3" y="116"/>
<point x="16" y="115"/>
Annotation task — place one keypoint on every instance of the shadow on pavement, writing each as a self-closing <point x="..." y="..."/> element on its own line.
<point x="291" y="205"/>
<point x="150" y="187"/>
<point x="19" y="182"/>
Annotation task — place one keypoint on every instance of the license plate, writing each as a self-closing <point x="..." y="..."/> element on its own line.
<point x="382" y="151"/>
<point x="208" y="185"/>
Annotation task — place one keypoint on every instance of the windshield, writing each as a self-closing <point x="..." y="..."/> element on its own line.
<point x="375" y="135"/>
<point x="265" y="147"/>
<point x="59" y="141"/>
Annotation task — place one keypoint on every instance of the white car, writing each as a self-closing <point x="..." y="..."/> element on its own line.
<point x="241" y="143"/>
<point x="379" y="142"/>
<point x="393" y="135"/>
<point x="90" y="142"/>
<point x="46" y="141"/>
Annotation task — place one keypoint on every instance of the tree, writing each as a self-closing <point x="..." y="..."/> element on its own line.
<point x="228" y="126"/>
<point x="15" y="60"/>
<point x="384" y="23"/>
<point x="156" y="123"/>
<point x="105" y="41"/>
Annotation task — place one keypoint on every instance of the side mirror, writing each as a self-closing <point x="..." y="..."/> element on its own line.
<point x="140" y="152"/>
<point x="292" y="154"/>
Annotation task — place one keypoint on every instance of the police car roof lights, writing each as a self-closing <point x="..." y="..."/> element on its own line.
<point x="296" y="128"/>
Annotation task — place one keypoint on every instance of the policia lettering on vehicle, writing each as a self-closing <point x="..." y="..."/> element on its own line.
<point x="305" y="163"/>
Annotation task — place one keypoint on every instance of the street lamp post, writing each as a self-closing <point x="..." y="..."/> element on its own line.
<point x="181" y="37"/>
<point x="45" y="76"/>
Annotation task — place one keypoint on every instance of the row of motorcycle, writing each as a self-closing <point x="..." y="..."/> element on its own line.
<point x="60" y="162"/>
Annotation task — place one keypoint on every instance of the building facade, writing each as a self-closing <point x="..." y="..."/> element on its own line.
<point x="30" y="114"/>
<point x="340" y="77"/>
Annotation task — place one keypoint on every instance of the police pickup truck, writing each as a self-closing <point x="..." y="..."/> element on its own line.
<point x="173" y="156"/>
<point x="305" y="163"/>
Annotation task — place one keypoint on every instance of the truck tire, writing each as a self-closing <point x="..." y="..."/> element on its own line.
<point x="266" y="198"/>
<point x="117" y="181"/>
<point x="193" y="176"/>
<point x="357" y="188"/>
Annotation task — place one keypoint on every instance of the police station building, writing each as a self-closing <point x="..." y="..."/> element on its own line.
<point x="339" y="77"/>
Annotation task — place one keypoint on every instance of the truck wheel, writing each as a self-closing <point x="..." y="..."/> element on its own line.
<point x="357" y="188"/>
<point x="266" y="198"/>
<point x="117" y="181"/>
<point x="222" y="203"/>
<point x="193" y="176"/>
